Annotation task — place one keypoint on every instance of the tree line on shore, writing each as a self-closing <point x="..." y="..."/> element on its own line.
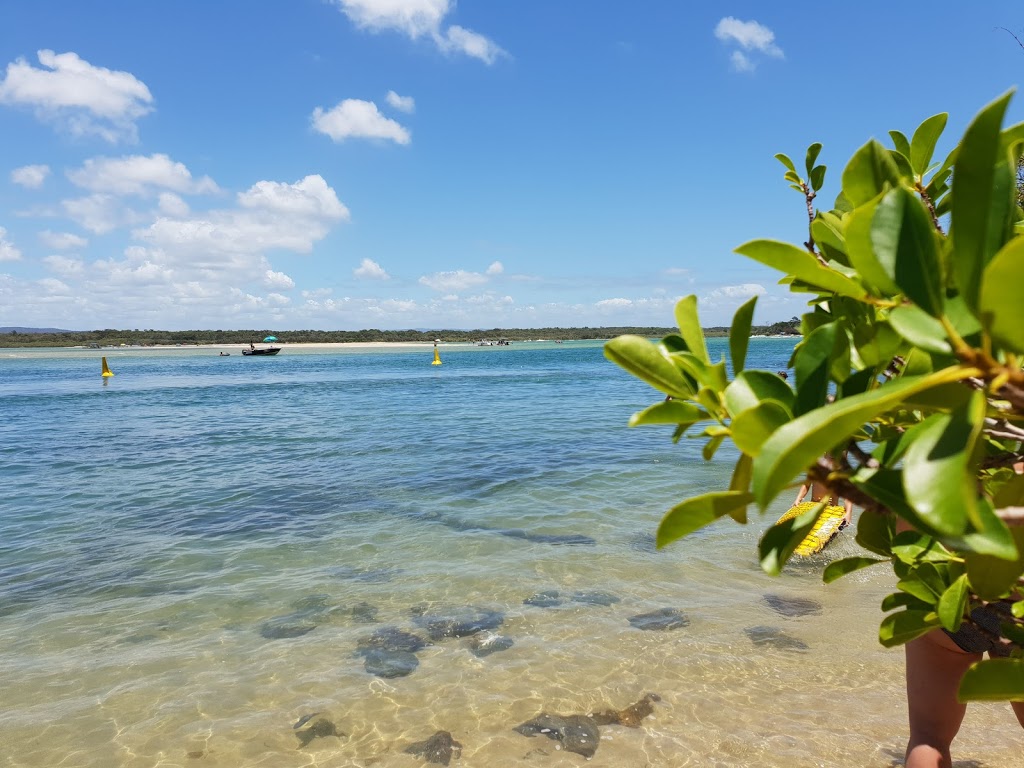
<point x="114" y="337"/>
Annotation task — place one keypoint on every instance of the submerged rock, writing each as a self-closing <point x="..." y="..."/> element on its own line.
<point x="439" y="748"/>
<point x="774" y="638"/>
<point x="577" y="733"/>
<point x="288" y="626"/>
<point x="390" y="639"/>
<point x="594" y="597"/>
<point x="303" y="720"/>
<point x="459" y="622"/>
<point x="792" y="606"/>
<point x="546" y="599"/>
<point x="364" y="612"/>
<point x="318" y="729"/>
<point x="631" y="716"/>
<point x="390" y="664"/>
<point x="366" y="575"/>
<point x="486" y="644"/>
<point x="661" y="620"/>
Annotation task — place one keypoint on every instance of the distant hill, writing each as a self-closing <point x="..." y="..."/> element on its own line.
<point x="18" y="329"/>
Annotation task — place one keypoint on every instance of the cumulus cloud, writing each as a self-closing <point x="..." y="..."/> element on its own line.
<point x="99" y="213"/>
<point x="357" y="119"/>
<point x="171" y="205"/>
<point x="278" y="280"/>
<point x="78" y="97"/>
<point x="743" y="291"/>
<point x="64" y="266"/>
<point x="7" y="250"/>
<point x="751" y="37"/>
<point x="62" y="241"/>
<point x="496" y="268"/>
<point x="30" y="176"/>
<point x="370" y="270"/>
<point x="138" y="175"/>
<point x="401" y="103"/>
<point x="420" y="18"/>
<point x="458" y="280"/>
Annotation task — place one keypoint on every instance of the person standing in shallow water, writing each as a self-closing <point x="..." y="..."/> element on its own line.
<point x="819" y="493"/>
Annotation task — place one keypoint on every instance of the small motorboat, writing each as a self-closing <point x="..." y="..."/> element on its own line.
<point x="225" y="354"/>
<point x="260" y="351"/>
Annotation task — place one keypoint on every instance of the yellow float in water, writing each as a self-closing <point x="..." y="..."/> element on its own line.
<point x="437" y="357"/>
<point x="824" y="530"/>
<point x="106" y="369"/>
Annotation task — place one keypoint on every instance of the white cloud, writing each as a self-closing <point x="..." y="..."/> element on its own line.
<point x="278" y="280"/>
<point x="371" y="270"/>
<point x="310" y="197"/>
<point x="614" y="303"/>
<point x="30" y="176"/>
<point x="99" y="213"/>
<point x="419" y="18"/>
<point x="357" y="119"/>
<point x="401" y="103"/>
<point x="65" y="267"/>
<point x="751" y="37"/>
<point x="138" y="175"/>
<point x="172" y="205"/>
<point x="7" y="250"/>
<point x="496" y="268"/>
<point x="80" y="98"/>
<point x="62" y="241"/>
<point x="744" y="291"/>
<point x="456" y="281"/>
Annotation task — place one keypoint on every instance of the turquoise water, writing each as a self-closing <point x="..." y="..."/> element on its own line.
<point x="161" y="527"/>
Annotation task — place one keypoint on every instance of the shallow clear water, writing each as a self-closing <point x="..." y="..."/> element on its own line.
<point x="154" y="523"/>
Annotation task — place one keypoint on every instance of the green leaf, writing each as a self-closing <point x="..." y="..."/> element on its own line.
<point x="991" y="577"/>
<point x="870" y="171"/>
<point x="711" y="447"/>
<point x="739" y="334"/>
<point x="645" y="360"/>
<point x="902" y="627"/>
<point x="904" y="241"/>
<point x="904" y="600"/>
<point x="797" y="262"/>
<point x="993" y="680"/>
<point x="812" y="156"/>
<point x="751" y="387"/>
<point x="913" y="548"/>
<point x="796" y="445"/>
<point x="689" y="327"/>
<point x="812" y="362"/>
<point x="752" y="427"/>
<point x="839" y="568"/>
<point x="939" y="468"/>
<point x="922" y="146"/>
<point x="693" y="514"/>
<point x="779" y="541"/>
<point x="953" y="603"/>
<point x="875" y="532"/>
<point x="669" y="412"/>
<point x="861" y="252"/>
<point x="994" y="537"/>
<point x="981" y="207"/>
<point x="920" y="329"/>
<point x="899" y="140"/>
<point x="1000" y="305"/>
<point x="919" y="591"/>
<point x="818" y="177"/>
<point x="786" y="161"/>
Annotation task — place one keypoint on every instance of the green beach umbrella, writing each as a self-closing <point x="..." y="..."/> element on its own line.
<point x="269" y="339"/>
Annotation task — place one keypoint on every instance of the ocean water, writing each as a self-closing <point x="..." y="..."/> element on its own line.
<point x="192" y="552"/>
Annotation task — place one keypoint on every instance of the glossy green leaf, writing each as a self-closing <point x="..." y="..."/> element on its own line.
<point x="739" y="334"/>
<point x="904" y="600"/>
<point x="812" y="157"/>
<point x="812" y="362"/>
<point x="913" y="548"/>
<point x="751" y="387"/>
<point x="978" y="220"/>
<point x="817" y="178"/>
<point x="693" y="514"/>
<point x="939" y="468"/>
<point x="922" y="146"/>
<point x="669" y="412"/>
<point x="741" y="474"/>
<point x="870" y="172"/>
<point x="899" y="141"/>
<point x="839" y="568"/>
<point x="797" y="262"/>
<point x="646" y="361"/>
<point x="786" y="161"/>
<point x="991" y="577"/>
<point x="779" y="541"/>
<point x="689" y="326"/>
<point x="861" y="252"/>
<point x="993" y="537"/>
<point x="752" y="427"/>
<point x="711" y="447"/>
<point x="953" y="603"/>
<point x="919" y="591"/>
<point x="993" y="680"/>
<point x="920" y="329"/>
<point x="903" y="166"/>
<point x="902" y="627"/>
<point x="904" y="242"/>
<point x="796" y="445"/>
<point x="1001" y="306"/>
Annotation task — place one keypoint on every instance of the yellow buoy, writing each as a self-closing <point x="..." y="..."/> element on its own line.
<point x="106" y="369"/>
<point x="437" y="356"/>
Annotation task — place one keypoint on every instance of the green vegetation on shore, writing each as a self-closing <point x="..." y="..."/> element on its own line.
<point x="112" y="337"/>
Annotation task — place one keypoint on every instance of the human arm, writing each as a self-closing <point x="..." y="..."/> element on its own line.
<point x="803" y="492"/>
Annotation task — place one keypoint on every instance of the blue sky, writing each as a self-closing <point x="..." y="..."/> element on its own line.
<point x="347" y="164"/>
